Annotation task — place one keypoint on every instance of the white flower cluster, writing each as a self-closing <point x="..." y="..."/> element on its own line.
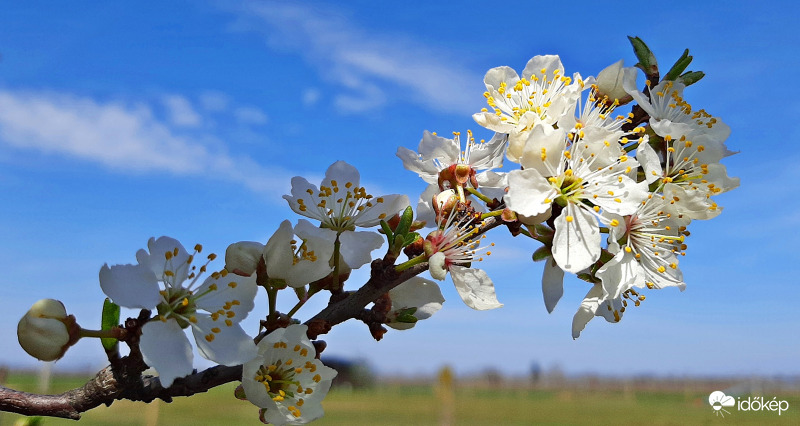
<point x="585" y="170"/>
<point x="609" y="195"/>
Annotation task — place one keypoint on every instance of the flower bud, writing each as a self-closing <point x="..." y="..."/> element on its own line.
<point x="242" y="258"/>
<point x="609" y="82"/>
<point x="46" y="331"/>
<point x="444" y="203"/>
<point x="437" y="266"/>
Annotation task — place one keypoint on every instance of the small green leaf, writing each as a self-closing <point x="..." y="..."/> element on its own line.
<point x="405" y="221"/>
<point x="388" y="231"/>
<point x="680" y="66"/>
<point x="691" y="77"/>
<point x="410" y="238"/>
<point x="541" y="253"/>
<point x="647" y="61"/>
<point x="110" y="319"/>
<point x="407" y="316"/>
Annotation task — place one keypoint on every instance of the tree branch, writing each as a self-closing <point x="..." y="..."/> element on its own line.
<point x="123" y="380"/>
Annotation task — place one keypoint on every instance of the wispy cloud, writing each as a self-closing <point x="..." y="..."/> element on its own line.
<point x="127" y="137"/>
<point x="370" y="68"/>
<point x="250" y="115"/>
<point x="181" y="112"/>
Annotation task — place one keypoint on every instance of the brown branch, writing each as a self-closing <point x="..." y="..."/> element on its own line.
<point x="106" y="387"/>
<point x="123" y="379"/>
<point x="383" y="278"/>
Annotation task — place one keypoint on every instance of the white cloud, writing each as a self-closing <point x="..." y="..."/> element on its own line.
<point x="310" y="97"/>
<point x="250" y="115"/>
<point x="181" y="112"/>
<point x="121" y="137"/>
<point x="366" y="65"/>
<point x="214" y="101"/>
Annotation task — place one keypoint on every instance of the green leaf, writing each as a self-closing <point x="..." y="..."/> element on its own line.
<point x="407" y="315"/>
<point x="109" y="320"/>
<point x="647" y="61"/>
<point x="541" y="253"/>
<point x="691" y="77"/>
<point x="410" y="238"/>
<point x="405" y="221"/>
<point x="388" y="231"/>
<point x="680" y="66"/>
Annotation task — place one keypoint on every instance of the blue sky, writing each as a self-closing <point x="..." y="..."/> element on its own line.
<point x="119" y="122"/>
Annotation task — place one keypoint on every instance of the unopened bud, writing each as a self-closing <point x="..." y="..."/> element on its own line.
<point x="46" y="331"/>
<point x="609" y="83"/>
<point x="445" y="202"/>
<point x="242" y="258"/>
<point x="437" y="266"/>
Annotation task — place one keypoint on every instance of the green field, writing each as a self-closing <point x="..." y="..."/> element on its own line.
<point x="420" y="405"/>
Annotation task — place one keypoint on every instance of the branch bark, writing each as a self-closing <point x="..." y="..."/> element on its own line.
<point x="123" y="380"/>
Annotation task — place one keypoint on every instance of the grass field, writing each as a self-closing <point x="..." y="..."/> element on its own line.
<point x="420" y="405"/>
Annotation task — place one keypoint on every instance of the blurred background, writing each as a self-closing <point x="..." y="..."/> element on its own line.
<point x="123" y="121"/>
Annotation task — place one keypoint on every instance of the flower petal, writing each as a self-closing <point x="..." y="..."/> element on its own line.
<point x="165" y="347"/>
<point x="528" y="192"/>
<point x="231" y="293"/>
<point x="342" y="173"/>
<point x="576" y="243"/>
<point x="357" y="247"/>
<point x="131" y="286"/>
<point x="391" y="205"/>
<point x="230" y="346"/>
<point x="475" y="288"/>
<point x="552" y="284"/>
<point x="157" y="262"/>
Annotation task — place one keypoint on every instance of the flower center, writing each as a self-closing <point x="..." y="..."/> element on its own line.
<point x="340" y="206"/>
<point x="178" y="303"/>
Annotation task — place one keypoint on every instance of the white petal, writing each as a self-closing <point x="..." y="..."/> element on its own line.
<point x="436" y="147"/>
<point x="131" y="286"/>
<point x="427" y="170"/>
<point x="552" y="284"/>
<point x="475" y="288"/>
<point x="230" y="346"/>
<point x="357" y="247"/>
<point x="619" y="274"/>
<point x="576" y="243"/>
<point x="587" y="310"/>
<point x="157" y="262"/>
<point x="165" y="347"/>
<point x="391" y="205"/>
<point x="278" y="253"/>
<point x="342" y="173"/>
<point x="231" y="293"/>
<point x="493" y="122"/>
<point x="528" y="192"/>
<point x="495" y="76"/>
<point x="544" y="141"/>
<point x="303" y="190"/>
<point x="488" y="155"/>
<point x="650" y="163"/>
<point x="549" y="63"/>
<point x="419" y="293"/>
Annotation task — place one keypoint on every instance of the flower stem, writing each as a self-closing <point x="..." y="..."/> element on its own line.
<point x="491" y="214"/>
<point x="336" y="246"/>
<point x="113" y="333"/>
<point x="301" y="302"/>
<point x="478" y="194"/>
<point x="272" y="295"/>
<point x="410" y="262"/>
